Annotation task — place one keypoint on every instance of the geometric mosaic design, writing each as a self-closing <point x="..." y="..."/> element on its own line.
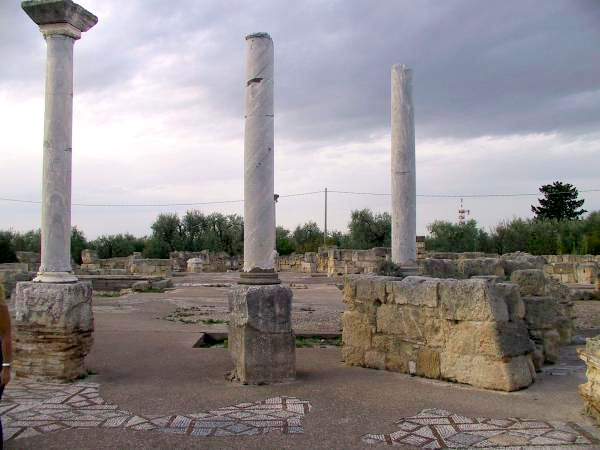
<point x="436" y="428"/>
<point x="30" y="408"/>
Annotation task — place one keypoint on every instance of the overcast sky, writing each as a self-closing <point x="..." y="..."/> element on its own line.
<point x="506" y="94"/>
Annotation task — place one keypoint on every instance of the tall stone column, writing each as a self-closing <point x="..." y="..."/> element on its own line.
<point x="261" y="340"/>
<point x="404" y="191"/>
<point x="259" y="202"/>
<point x="53" y="317"/>
<point x="61" y="23"/>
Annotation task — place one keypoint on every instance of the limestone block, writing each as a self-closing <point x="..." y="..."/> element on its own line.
<point x="520" y="260"/>
<point x="586" y="273"/>
<point x="480" y="266"/>
<point x="542" y="312"/>
<point x="512" y="296"/>
<point x="480" y="371"/>
<point x="356" y="337"/>
<point x="261" y="341"/>
<point x="418" y="291"/>
<point x="428" y="363"/>
<point x="473" y="299"/>
<point x="54" y="325"/>
<point x="496" y="340"/>
<point x="89" y="256"/>
<point x="375" y="359"/>
<point x="531" y="282"/>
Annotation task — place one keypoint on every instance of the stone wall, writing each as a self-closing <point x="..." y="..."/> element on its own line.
<point x="590" y="391"/>
<point x="344" y="262"/>
<point x="548" y="313"/>
<point x="573" y="269"/>
<point x="126" y="265"/>
<point x="205" y="261"/>
<point x="468" y="331"/>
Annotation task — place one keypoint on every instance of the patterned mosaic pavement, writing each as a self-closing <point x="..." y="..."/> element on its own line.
<point x="29" y="409"/>
<point x="436" y="428"/>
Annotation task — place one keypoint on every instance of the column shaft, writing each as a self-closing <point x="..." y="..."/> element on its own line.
<point x="404" y="219"/>
<point x="56" y="182"/>
<point x="259" y="204"/>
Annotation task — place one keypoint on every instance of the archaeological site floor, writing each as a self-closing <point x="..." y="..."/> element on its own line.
<point x="150" y="388"/>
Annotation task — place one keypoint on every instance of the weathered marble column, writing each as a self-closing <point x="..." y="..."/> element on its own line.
<point x="53" y="314"/>
<point x="261" y="340"/>
<point x="259" y="203"/>
<point x="61" y="22"/>
<point x="404" y="216"/>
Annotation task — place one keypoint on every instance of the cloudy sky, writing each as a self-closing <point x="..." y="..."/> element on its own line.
<point x="506" y="93"/>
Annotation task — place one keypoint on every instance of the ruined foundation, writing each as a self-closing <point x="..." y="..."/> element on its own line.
<point x="261" y="340"/>
<point x="590" y="391"/>
<point x="468" y="331"/>
<point x="54" y="325"/>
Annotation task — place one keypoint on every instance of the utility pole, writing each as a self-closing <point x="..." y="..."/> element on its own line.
<point x="325" y="233"/>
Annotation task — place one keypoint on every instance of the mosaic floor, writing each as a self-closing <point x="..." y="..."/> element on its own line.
<point x="29" y="409"/>
<point x="436" y="428"/>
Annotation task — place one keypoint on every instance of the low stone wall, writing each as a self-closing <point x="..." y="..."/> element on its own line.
<point x="548" y="313"/>
<point x="573" y="269"/>
<point x="469" y="331"/>
<point x="466" y="265"/>
<point x="126" y="265"/>
<point x="32" y="259"/>
<point x="344" y="262"/>
<point x="114" y="283"/>
<point x="160" y="267"/>
<point x="205" y="261"/>
<point x="590" y="391"/>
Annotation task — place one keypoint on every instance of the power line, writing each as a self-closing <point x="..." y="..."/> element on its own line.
<point x="127" y="205"/>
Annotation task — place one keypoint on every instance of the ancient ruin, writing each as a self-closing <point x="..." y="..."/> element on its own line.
<point x="590" y="391"/>
<point x="54" y="313"/>
<point x="469" y="331"/>
<point x="261" y="340"/>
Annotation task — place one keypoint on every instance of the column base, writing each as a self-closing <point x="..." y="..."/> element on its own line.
<point x="259" y="277"/>
<point x="261" y="340"/>
<point x="409" y="270"/>
<point x="53" y="330"/>
<point x="55" y="277"/>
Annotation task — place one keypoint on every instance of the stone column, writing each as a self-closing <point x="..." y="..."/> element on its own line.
<point x="61" y="22"/>
<point x="259" y="202"/>
<point x="404" y="216"/>
<point x="53" y="314"/>
<point x="261" y="340"/>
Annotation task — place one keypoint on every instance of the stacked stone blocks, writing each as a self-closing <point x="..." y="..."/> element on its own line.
<point x="54" y="325"/>
<point x="468" y="331"/>
<point x="261" y="340"/>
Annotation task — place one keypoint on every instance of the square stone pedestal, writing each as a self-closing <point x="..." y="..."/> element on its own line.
<point x="261" y="340"/>
<point x="53" y="329"/>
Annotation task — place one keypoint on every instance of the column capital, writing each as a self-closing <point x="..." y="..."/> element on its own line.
<point x="59" y="17"/>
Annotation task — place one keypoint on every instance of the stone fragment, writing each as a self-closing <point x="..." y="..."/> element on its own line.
<point x="418" y="291"/>
<point x="261" y="341"/>
<point x="531" y="282"/>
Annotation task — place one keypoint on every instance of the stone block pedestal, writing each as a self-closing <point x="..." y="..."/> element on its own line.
<point x="261" y="340"/>
<point x="53" y="329"/>
<point x="590" y="391"/>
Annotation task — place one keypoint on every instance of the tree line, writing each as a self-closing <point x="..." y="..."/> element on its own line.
<point x="556" y="229"/>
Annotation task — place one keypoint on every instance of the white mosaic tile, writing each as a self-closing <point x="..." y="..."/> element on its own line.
<point x="31" y="408"/>
<point x="435" y="428"/>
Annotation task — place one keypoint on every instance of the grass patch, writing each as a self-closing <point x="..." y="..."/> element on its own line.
<point x="107" y="294"/>
<point x="301" y="342"/>
<point x="214" y="321"/>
